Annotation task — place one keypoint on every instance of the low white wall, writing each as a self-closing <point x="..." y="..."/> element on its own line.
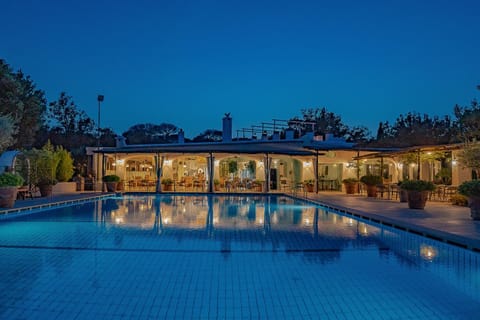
<point x="64" y="187"/>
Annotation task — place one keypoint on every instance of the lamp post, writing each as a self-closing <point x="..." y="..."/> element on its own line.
<point x="99" y="99"/>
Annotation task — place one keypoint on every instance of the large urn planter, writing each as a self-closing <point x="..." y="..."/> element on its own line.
<point x="417" y="199"/>
<point x="371" y="191"/>
<point x="45" y="190"/>
<point x="111" y="186"/>
<point x="8" y="195"/>
<point x="111" y="182"/>
<point x="418" y="191"/>
<point x="351" y="187"/>
<point x="471" y="189"/>
<point x="371" y="181"/>
<point x="474" y="204"/>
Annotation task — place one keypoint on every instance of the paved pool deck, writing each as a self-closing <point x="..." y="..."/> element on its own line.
<point x="439" y="220"/>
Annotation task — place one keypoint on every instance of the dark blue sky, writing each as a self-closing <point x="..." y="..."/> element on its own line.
<point x="189" y="62"/>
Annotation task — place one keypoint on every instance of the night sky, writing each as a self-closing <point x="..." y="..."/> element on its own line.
<point x="189" y="62"/>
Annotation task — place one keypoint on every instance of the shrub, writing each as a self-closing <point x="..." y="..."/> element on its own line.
<point x="65" y="164"/>
<point x="8" y="179"/>
<point x="417" y="185"/>
<point x="470" y="188"/>
<point x="459" y="200"/>
<point x="111" y="178"/>
<point x="167" y="181"/>
<point x="350" y="180"/>
<point x="371" y="180"/>
<point x="309" y="182"/>
<point x="43" y="164"/>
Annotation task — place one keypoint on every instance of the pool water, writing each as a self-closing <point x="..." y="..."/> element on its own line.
<point x="226" y="257"/>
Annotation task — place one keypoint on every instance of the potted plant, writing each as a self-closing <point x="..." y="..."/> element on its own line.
<point x="43" y="163"/>
<point x="471" y="189"/>
<point x="167" y="184"/>
<point x="258" y="185"/>
<point x="9" y="183"/>
<point x="308" y="185"/>
<point x="111" y="181"/>
<point x="418" y="191"/>
<point x="216" y="184"/>
<point x="351" y="185"/>
<point x="371" y="181"/>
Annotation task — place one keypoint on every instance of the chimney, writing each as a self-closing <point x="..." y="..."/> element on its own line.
<point x="264" y="135"/>
<point x="227" y="128"/>
<point x="120" y="142"/>
<point x="289" y="134"/>
<point x="181" y="136"/>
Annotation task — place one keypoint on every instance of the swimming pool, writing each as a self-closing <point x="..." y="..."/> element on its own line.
<point x="226" y="257"/>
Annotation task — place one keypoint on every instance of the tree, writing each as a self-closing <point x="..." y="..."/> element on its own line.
<point x="67" y="119"/>
<point x="414" y="129"/>
<point x="26" y="104"/>
<point x="209" y="135"/>
<point x="468" y="126"/>
<point x="151" y="133"/>
<point x="320" y="121"/>
<point x="7" y="132"/>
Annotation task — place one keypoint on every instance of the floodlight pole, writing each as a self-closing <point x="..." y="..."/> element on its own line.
<point x="100" y="99"/>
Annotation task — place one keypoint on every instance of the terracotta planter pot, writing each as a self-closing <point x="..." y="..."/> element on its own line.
<point x="371" y="191"/>
<point x="45" y="190"/>
<point x="8" y="195"/>
<point x="309" y="187"/>
<point x="474" y="204"/>
<point x="403" y="195"/>
<point x="167" y="187"/>
<point x="351" y="188"/>
<point x="111" y="186"/>
<point x="417" y="199"/>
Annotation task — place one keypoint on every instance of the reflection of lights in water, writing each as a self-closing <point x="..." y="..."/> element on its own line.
<point x="428" y="252"/>
<point x="274" y="218"/>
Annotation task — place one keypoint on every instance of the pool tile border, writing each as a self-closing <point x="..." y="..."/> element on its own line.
<point x="17" y="212"/>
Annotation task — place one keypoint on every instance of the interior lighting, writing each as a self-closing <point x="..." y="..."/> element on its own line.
<point x="307" y="164"/>
<point x="120" y="162"/>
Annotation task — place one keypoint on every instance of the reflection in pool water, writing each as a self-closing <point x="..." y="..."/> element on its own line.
<point x="226" y="257"/>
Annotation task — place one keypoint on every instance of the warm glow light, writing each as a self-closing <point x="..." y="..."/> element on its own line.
<point x="120" y="162"/>
<point x="454" y="162"/>
<point x="307" y="222"/>
<point x="428" y="252"/>
<point x="167" y="162"/>
<point x="118" y="220"/>
<point x="307" y="164"/>
<point x="166" y="221"/>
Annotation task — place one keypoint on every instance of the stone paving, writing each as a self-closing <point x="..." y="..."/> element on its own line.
<point x="440" y="220"/>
